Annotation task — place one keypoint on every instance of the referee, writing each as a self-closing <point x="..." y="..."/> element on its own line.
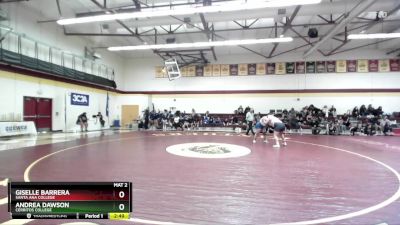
<point x="249" y="120"/>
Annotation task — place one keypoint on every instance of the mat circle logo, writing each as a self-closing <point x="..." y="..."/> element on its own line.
<point x="208" y="150"/>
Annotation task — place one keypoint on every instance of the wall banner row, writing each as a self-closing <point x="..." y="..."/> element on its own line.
<point x="280" y="68"/>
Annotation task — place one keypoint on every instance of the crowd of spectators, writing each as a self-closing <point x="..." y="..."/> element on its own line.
<point x="360" y="120"/>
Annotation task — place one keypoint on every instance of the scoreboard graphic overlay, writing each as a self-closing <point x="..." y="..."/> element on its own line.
<point x="70" y="200"/>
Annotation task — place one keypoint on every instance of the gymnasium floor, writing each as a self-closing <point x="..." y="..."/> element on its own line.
<point x="315" y="179"/>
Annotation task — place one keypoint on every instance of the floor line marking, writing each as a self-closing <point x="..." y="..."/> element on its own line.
<point x="385" y="203"/>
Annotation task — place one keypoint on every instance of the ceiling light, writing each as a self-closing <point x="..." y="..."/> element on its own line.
<point x="230" y="6"/>
<point x="201" y="44"/>
<point x="374" y="36"/>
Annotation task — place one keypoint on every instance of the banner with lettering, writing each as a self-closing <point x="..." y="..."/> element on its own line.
<point x="341" y="66"/>
<point x="159" y="72"/>
<point x="79" y="99"/>
<point x="271" y="68"/>
<point x="373" y="65"/>
<point x="395" y="65"/>
<point x="384" y="65"/>
<point x="251" y="69"/>
<point x="290" y="68"/>
<point x="310" y="67"/>
<point x="321" y="67"/>
<point x="225" y="70"/>
<point x="330" y="66"/>
<point x="233" y="69"/>
<point x="199" y="71"/>
<point x="352" y="66"/>
<point x="280" y="68"/>
<point x="208" y="70"/>
<point x="243" y="69"/>
<point x="300" y="67"/>
<point x="183" y="71"/>
<point x="362" y="66"/>
<point x="216" y="70"/>
<point x="191" y="71"/>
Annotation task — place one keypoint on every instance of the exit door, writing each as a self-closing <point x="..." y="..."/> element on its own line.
<point x="38" y="110"/>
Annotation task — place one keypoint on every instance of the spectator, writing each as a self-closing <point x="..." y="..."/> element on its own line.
<point x="246" y="110"/>
<point x="315" y="129"/>
<point x="356" y="128"/>
<point x="83" y="121"/>
<point x="325" y="111"/>
<point x="370" y="110"/>
<point x="378" y="111"/>
<point x="387" y="130"/>
<point x="363" y="110"/>
<point x="240" y="110"/>
<point x="355" y="112"/>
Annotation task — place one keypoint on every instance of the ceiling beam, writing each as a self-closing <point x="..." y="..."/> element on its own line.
<point x="59" y="7"/>
<point x="360" y="7"/>
<point x="361" y="46"/>
<point x="368" y="26"/>
<point x="285" y="28"/>
<point x="208" y="33"/>
<point x="226" y="30"/>
<point x="293" y="49"/>
<point x="133" y="33"/>
<point x="10" y="1"/>
<point x="392" y="51"/>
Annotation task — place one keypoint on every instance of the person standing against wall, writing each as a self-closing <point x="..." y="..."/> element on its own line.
<point x="83" y="121"/>
<point x="250" y="119"/>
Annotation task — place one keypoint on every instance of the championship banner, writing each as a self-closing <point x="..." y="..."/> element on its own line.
<point x="362" y="66"/>
<point x="330" y="66"/>
<point x="352" y="66"/>
<point x="216" y="70"/>
<point x="159" y="72"/>
<point x="280" y="68"/>
<point x="395" y="65"/>
<point x="310" y="67"/>
<point x="261" y="69"/>
<point x="233" y="69"/>
<point x="290" y="67"/>
<point x="243" y="69"/>
<point x="184" y="71"/>
<point x="208" y="70"/>
<point x="300" y="67"/>
<point x="225" y="70"/>
<point x="384" y="65"/>
<point x="373" y="65"/>
<point x="199" y="71"/>
<point x="191" y="71"/>
<point x="251" y="69"/>
<point x="341" y="66"/>
<point x="271" y="68"/>
<point x="321" y="67"/>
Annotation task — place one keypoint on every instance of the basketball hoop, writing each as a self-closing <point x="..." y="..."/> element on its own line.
<point x="172" y="69"/>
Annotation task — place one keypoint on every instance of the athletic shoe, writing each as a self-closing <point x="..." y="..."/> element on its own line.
<point x="276" y="146"/>
<point x="254" y="141"/>
<point x="265" y="141"/>
<point x="284" y="144"/>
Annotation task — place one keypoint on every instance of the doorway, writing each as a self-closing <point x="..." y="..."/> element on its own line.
<point x="38" y="110"/>
<point x="129" y="114"/>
